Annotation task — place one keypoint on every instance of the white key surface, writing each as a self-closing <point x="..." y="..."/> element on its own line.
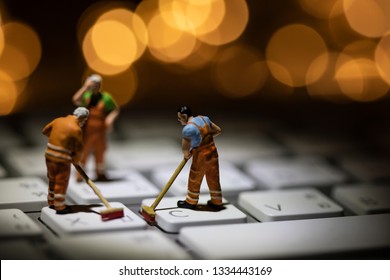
<point x="232" y="179"/>
<point x="171" y="218"/>
<point x="25" y="193"/>
<point x="144" y="154"/>
<point x="366" y="167"/>
<point x="27" y="161"/>
<point x="127" y="187"/>
<point x="15" y="223"/>
<point x="278" y="173"/>
<point x="21" y="249"/>
<point x="268" y="206"/>
<point x="88" y="220"/>
<point x="144" y="244"/>
<point x="289" y="239"/>
<point x="242" y="147"/>
<point x="363" y="199"/>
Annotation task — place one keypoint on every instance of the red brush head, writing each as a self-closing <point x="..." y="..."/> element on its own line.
<point x="111" y="214"/>
<point x="148" y="218"/>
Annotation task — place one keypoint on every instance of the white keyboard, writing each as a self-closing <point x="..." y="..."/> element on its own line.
<point x="286" y="195"/>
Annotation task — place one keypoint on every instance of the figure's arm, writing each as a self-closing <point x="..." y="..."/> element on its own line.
<point x="78" y="96"/>
<point x="77" y="146"/>
<point x="215" y="129"/>
<point x="186" y="148"/>
<point x="110" y="118"/>
<point x="47" y="129"/>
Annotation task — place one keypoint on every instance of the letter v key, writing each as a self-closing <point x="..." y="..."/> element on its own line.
<point x="278" y="208"/>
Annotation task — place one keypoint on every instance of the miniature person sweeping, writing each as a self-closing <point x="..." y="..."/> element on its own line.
<point x="103" y="112"/>
<point x="198" y="143"/>
<point x="65" y="145"/>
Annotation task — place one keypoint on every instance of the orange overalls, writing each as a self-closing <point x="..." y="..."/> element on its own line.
<point x="204" y="162"/>
<point x="64" y="147"/>
<point x="95" y="137"/>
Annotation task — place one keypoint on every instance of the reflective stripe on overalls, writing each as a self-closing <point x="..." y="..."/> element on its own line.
<point x="204" y="163"/>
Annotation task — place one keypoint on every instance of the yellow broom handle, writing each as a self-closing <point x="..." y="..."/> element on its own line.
<point x="92" y="185"/>
<point x="168" y="184"/>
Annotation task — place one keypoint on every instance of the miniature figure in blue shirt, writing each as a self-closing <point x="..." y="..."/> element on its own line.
<point x="198" y="142"/>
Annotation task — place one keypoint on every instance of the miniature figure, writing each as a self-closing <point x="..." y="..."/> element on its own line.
<point x="103" y="112"/>
<point x="65" y="145"/>
<point x="198" y="142"/>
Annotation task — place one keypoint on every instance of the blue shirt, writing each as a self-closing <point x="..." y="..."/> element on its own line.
<point x="190" y="131"/>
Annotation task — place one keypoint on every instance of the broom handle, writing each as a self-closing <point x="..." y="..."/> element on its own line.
<point x="168" y="184"/>
<point x="92" y="185"/>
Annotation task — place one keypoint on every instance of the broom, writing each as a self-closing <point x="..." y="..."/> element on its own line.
<point x="109" y="213"/>
<point x="148" y="211"/>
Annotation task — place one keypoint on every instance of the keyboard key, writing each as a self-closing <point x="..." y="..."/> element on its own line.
<point x="269" y="206"/>
<point x="140" y="245"/>
<point x="87" y="219"/>
<point x="127" y="187"/>
<point x="27" y="161"/>
<point x="363" y="199"/>
<point x="15" y="223"/>
<point x="21" y="249"/>
<point x="289" y="239"/>
<point x="232" y="179"/>
<point x="311" y="142"/>
<point x="25" y="193"/>
<point x="144" y="154"/>
<point x="366" y="167"/>
<point x="279" y="173"/>
<point x="9" y="139"/>
<point x="3" y="172"/>
<point x="170" y="218"/>
<point x="242" y="147"/>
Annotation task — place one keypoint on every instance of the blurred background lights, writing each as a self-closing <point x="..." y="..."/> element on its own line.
<point x="239" y="71"/>
<point x="359" y="79"/>
<point x="20" y="54"/>
<point x="334" y="50"/>
<point x="111" y="45"/>
<point x="22" y="50"/>
<point x="320" y="8"/>
<point x="382" y="57"/>
<point x="370" y="18"/>
<point x="232" y="25"/>
<point x="290" y="52"/>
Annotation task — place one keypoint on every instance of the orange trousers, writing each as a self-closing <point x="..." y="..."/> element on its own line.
<point x="204" y="163"/>
<point x="58" y="174"/>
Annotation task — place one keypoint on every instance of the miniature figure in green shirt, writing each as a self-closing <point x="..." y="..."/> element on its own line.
<point x="103" y="112"/>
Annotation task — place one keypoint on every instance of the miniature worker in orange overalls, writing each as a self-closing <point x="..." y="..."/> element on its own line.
<point x="197" y="141"/>
<point x="65" y="144"/>
<point x="103" y="112"/>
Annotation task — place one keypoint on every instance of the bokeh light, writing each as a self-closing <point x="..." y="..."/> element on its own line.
<point x="291" y="51"/>
<point x="115" y="40"/>
<point x="327" y="87"/>
<point x="8" y="95"/>
<point x="320" y="8"/>
<point x="22" y="50"/>
<point x="360" y="80"/>
<point x="370" y="18"/>
<point x="382" y="57"/>
<point x="239" y="71"/>
<point x="232" y="26"/>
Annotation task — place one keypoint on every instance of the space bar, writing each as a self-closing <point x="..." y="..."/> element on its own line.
<point x="290" y="239"/>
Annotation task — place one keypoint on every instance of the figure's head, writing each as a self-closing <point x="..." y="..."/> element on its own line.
<point x="81" y="114"/>
<point x="96" y="82"/>
<point x="183" y="113"/>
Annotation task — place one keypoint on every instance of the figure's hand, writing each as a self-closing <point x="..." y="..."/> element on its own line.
<point x="187" y="155"/>
<point x="89" y="83"/>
